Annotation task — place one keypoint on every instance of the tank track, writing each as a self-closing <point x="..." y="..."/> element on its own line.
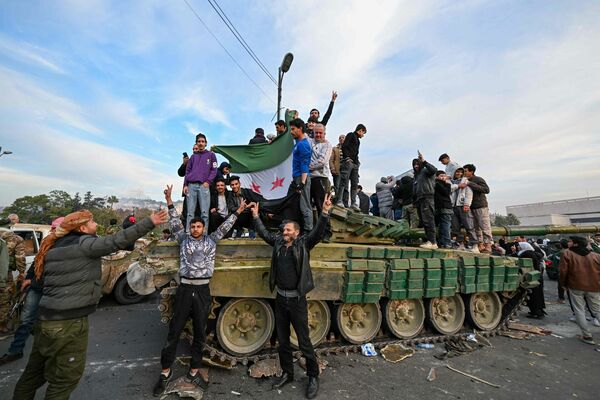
<point x="337" y="347"/>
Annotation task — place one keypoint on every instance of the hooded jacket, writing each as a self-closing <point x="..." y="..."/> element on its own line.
<point x="301" y="249"/>
<point x="384" y="193"/>
<point x="461" y="197"/>
<point x="424" y="183"/>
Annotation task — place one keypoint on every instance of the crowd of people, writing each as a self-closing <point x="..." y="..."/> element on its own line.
<point x="64" y="280"/>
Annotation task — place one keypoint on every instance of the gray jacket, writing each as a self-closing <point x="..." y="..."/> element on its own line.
<point x="319" y="160"/>
<point x="461" y="197"/>
<point x="384" y="194"/>
<point x="73" y="268"/>
<point x="197" y="256"/>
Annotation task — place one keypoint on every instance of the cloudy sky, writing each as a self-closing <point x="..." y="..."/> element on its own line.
<point x="105" y="96"/>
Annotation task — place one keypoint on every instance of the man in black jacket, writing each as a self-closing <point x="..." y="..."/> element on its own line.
<point x="291" y="275"/>
<point x="315" y="114"/>
<point x="259" y="137"/>
<point x="479" y="206"/>
<point x="237" y="196"/>
<point x="423" y="192"/>
<point x="443" y="208"/>
<point x="409" y="211"/>
<point x="349" y="167"/>
<point x="69" y="261"/>
<point x="363" y="200"/>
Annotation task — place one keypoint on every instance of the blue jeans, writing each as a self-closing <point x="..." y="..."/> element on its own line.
<point x="28" y="317"/>
<point x="197" y="193"/>
<point x="444" y="223"/>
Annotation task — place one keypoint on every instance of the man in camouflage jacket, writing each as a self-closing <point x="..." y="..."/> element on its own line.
<point x="16" y="262"/>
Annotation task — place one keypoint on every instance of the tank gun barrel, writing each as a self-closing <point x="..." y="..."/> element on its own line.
<point x="541" y="230"/>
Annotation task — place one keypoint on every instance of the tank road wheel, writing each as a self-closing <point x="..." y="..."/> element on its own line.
<point x="358" y="323"/>
<point x="484" y="311"/>
<point x="319" y="322"/>
<point x="245" y="325"/>
<point x="405" y="318"/>
<point x="447" y="314"/>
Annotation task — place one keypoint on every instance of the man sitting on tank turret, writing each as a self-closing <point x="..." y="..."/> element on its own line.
<point x="291" y="275"/>
<point x="197" y="264"/>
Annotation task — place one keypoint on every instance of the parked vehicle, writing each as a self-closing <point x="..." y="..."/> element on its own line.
<point x="114" y="266"/>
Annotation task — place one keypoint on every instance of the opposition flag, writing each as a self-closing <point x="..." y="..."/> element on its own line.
<point x="264" y="168"/>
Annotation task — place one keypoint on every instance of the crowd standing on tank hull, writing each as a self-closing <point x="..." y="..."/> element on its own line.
<point x="445" y="203"/>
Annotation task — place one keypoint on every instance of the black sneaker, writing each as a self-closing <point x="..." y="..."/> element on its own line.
<point x="197" y="380"/>
<point x="6" y="358"/>
<point x="161" y="385"/>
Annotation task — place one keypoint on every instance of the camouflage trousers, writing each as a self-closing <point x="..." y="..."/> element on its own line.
<point x="57" y="357"/>
<point x="6" y="300"/>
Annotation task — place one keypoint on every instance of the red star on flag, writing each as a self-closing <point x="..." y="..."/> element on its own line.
<point x="255" y="187"/>
<point x="278" y="182"/>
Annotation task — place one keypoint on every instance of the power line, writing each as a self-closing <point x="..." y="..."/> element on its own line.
<point x="228" y="53"/>
<point x="240" y="38"/>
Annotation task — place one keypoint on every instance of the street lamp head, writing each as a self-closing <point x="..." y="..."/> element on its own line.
<point x="287" y="62"/>
<point x="7" y="152"/>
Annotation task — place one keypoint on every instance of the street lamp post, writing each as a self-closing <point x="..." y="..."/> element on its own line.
<point x="285" y="67"/>
<point x="4" y="152"/>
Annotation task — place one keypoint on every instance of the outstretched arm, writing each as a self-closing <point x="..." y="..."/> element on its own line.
<point x="177" y="228"/>
<point x="316" y="235"/>
<point x="260" y="228"/>
<point x="329" y="109"/>
<point x="228" y="223"/>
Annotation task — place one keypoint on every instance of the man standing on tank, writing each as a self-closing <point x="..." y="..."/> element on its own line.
<point x="291" y="276"/>
<point x="301" y="156"/>
<point x="192" y="300"/>
<point x="349" y="167"/>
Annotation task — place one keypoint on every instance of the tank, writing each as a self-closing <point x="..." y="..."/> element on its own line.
<point x="367" y="289"/>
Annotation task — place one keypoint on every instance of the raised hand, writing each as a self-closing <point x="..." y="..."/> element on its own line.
<point x="333" y="95"/>
<point x="254" y="207"/>
<point x="159" y="217"/>
<point x="327" y="204"/>
<point x="242" y="207"/>
<point x="168" y="191"/>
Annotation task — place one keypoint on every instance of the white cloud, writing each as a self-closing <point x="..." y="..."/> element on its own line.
<point x="26" y="52"/>
<point x="58" y="161"/>
<point x="196" y="100"/>
<point x="25" y="98"/>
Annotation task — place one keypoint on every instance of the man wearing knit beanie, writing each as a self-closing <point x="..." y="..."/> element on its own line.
<point x="69" y="261"/>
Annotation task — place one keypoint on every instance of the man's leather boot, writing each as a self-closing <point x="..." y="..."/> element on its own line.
<point x="284" y="380"/>
<point x="312" y="388"/>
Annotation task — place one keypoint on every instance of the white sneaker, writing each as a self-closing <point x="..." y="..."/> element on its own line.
<point x="596" y="322"/>
<point x="429" y="245"/>
<point x="339" y="204"/>
<point x="473" y="249"/>
<point x="355" y="207"/>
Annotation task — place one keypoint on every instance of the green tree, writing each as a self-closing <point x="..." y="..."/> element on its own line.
<point x="88" y="198"/>
<point x="32" y="209"/>
<point x="112" y="200"/>
<point x="504" y="220"/>
<point x="77" y="202"/>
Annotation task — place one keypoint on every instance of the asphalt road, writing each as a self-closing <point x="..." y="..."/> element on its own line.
<point x="125" y="343"/>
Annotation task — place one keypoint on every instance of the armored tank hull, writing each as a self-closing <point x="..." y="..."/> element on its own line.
<point x="366" y="289"/>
